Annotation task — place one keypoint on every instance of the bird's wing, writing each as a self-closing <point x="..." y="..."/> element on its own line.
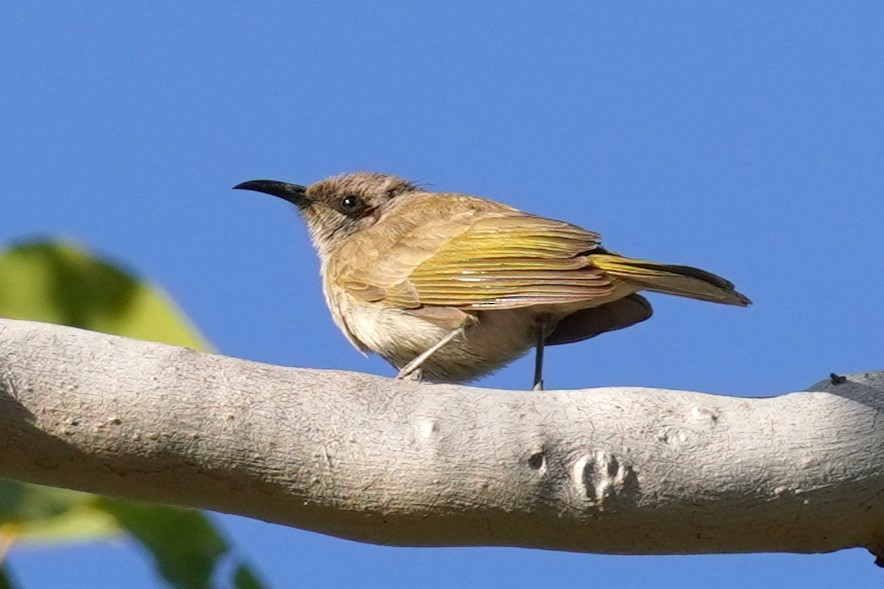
<point x="509" y="261"/>
<point x="503" y="259"/>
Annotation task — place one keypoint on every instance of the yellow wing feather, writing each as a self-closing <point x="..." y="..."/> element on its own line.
<point x="508" y="262"/>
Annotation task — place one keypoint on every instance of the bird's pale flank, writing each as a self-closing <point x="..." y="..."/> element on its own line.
<point x="450" y="287"/>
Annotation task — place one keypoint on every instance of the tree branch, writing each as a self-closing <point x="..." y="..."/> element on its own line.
<point x="625" y="470"/>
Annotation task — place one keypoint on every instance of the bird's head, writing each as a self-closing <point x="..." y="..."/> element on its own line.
<point x="337" y="207"/>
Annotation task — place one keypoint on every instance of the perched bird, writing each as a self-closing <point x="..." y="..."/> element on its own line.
<point x="449" y="287"/>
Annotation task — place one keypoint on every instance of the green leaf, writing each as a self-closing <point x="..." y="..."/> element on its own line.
<point x="61" y="283"/>
<point x="184" y="543"/>
<point x="244" y="578"/>
<point x="6" y="581"/>
<point x="34" y="513"/>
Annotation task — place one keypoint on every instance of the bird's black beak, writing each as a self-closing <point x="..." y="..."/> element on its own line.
<point x="293" y="193"/>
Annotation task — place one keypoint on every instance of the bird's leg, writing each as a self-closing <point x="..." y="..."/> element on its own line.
<point x="414" y="365"/>
<point x="538" y="362"/>
<point x="538" y="355"/>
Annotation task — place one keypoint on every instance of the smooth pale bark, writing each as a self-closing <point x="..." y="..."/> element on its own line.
<point x="616" y="470"/>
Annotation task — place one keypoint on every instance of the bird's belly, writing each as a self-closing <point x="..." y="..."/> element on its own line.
<point x="494" y="340"/>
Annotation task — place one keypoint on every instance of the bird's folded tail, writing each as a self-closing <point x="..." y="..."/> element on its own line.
<point x="683" y="281"/>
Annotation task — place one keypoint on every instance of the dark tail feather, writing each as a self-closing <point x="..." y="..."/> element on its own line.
<point x="594" y="321"/>
<point x="683" y="281"/>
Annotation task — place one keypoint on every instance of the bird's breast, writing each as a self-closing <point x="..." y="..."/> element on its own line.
<point x="493" y="340"/>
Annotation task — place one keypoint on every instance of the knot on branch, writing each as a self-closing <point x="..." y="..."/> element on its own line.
<point x="602" y="478"/>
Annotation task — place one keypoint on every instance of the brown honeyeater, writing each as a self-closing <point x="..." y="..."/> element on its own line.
<point x="449" y="287"/>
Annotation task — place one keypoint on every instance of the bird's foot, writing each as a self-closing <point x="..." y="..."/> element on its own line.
<point x="413" y="374"/>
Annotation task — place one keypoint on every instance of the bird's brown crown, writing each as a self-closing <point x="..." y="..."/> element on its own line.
<point x="370" y="187"/>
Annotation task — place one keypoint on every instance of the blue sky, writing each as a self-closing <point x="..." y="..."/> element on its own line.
<point x="745" y="138"/>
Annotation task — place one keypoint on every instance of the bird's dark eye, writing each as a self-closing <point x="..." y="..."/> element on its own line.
<point x="351" y="203"/>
